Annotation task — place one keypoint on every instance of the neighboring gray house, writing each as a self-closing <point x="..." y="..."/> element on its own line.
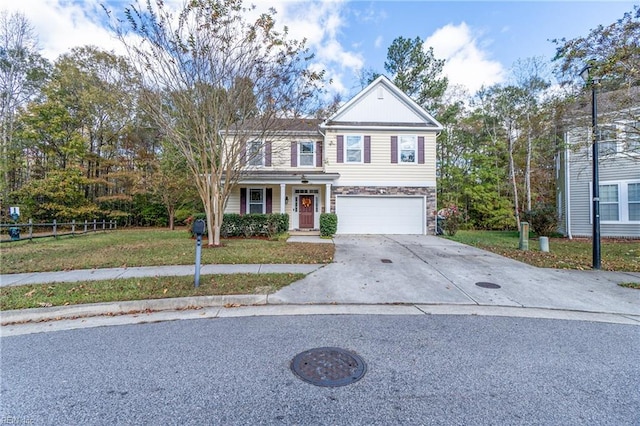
<point x="619" y="169"/>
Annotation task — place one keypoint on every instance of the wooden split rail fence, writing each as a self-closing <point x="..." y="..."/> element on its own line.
<point x="30" y="230"/>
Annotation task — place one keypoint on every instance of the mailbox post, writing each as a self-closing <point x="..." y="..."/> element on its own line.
<point x="198" y="229"/>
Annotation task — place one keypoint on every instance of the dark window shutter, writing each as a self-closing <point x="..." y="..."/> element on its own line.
<point x="243" y="200"/>
<point x="318" y="154"/>
<point x="268" y="199"/>
<point x="420" y="149"/>
<point x="294" y="154"/>
<point x="340" y="158"/>
<point x="267" y="154"/>
<point x="394" y="149"/>
<point x="367" y="149"/>
<point x="243" y="155"/>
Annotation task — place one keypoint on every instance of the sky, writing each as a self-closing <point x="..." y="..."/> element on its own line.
<point x="480" y="40"/>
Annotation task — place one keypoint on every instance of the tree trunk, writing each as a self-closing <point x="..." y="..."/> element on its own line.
<point x="512" y="172"/>
<point x="172" y="214"/>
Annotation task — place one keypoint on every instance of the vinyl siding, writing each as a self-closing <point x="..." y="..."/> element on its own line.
<point x="614" y="168"/>
<point x="381" y="171"/>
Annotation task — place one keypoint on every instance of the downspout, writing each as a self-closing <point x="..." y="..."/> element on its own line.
<point x="567" y="190"/>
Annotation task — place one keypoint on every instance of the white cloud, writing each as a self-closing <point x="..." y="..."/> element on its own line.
<point x="61" y="25"/>
<point x="466" y="63"/>
<point x="320" y="22"/>
<point x="378" y="42"/>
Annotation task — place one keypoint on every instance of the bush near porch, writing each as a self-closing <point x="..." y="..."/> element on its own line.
<point x="249" y="225"/>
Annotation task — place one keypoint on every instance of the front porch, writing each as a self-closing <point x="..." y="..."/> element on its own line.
<point x="302" y="196"/>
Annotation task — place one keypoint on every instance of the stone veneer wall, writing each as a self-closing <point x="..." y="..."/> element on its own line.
<point x="429" y="192"/>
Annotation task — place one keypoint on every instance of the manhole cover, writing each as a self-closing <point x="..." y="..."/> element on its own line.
<point x="487" y="285"/>
<point x="328" y="367"/>
<point x="386" y="260"/>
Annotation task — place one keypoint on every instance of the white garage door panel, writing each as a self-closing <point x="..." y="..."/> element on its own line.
<point x="380" y="215"/>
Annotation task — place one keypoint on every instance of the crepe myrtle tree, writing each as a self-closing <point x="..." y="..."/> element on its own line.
<point x="213" y="81"/>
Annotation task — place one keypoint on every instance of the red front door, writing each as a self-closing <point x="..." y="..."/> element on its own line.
<point x="306" y="211"/>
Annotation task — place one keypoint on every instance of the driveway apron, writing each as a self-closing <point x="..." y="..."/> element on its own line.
<point x="421" y="269"/>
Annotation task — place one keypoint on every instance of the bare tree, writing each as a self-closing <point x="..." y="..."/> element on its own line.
<point x="22" y="71"/>
<point x="214" y="82"/>
<point x="532" y="77"/>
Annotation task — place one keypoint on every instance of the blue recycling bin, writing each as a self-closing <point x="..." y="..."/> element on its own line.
<point x="14" y="233"/>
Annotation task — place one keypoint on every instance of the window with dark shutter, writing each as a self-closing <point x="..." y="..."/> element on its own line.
<point x="268" y="200"/>
<point x="367" y="149"/>
<point x="420" y="149"/>
<point x="318" y="154"/>
<point x="394" y="149"/>
<point x="294" y="154"/>
<point x="340" y="152"/>
<point x="243" y="200"/>
<point x="267" y="154"/>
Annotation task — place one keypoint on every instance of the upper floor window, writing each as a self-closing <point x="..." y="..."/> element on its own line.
<point x="607" y="140"/>
<point x="255" y="154"/>
<point x="408" y="152"/>
<point x="306" y="154"/>
<point x="354" y="147"/>
<point x="632" y="136"/>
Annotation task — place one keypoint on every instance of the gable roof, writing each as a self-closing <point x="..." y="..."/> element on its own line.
<point x="382" y="105"/>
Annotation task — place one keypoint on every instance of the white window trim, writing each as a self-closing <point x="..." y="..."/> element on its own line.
<point x="313" y="155"/>
<point x="346" y="148"/>
<point x="261" y="154"/>
<point x="623" y="202"/>
<point x="249" y="203"/>
<point x="415" y="156"/>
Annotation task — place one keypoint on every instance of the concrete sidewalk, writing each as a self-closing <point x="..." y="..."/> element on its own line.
<point x="420" y="273"/>
<point x="148" y="271"/>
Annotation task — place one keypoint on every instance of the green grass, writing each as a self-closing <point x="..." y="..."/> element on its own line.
<point x="635" y="286"/>
<point x="616" y="255"/>
<point x="149" y="247"/>
<point x="60" y="294"/>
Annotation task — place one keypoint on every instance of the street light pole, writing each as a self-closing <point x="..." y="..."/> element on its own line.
<point x="595" y="172"/>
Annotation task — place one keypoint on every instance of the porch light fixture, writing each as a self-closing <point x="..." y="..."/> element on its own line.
<point x="593" y="80"/>
<point x="304" y="179"/>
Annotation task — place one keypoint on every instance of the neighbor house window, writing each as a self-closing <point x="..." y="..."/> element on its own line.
<point x="633" y="194"/>
<point x="306" y="154"/>
<point x="256" y="201"/>
<point x="632" y="133"/>
<point x="408" y="152"/>
<point x="255" y="154"/>
<point x="608" y="140"/>
<point x="354" y="148"/>
<point x="609" y="203"/>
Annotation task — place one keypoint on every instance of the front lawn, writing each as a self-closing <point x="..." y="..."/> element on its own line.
<point x="616" y="255"/>
<point x="149" y="247"/>
<point x="62" y="294"/>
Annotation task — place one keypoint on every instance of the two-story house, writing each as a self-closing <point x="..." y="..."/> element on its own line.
<point x="619" y="170"/>
<point x="373" y="163"/>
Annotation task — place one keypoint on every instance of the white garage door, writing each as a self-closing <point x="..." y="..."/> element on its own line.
<point x="380" y="215"/>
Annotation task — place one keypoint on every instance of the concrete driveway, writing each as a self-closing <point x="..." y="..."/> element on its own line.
<point x="391" y="269"/>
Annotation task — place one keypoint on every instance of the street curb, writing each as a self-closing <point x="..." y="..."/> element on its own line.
<point x="127" y="307"/>
<point x="247" y="305"/>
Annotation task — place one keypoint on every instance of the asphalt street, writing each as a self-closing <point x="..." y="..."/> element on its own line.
<point x="427" y="369"/>
<point x="541" y="346"/>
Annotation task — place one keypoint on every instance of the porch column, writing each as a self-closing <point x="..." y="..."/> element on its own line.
<point x="327" y="198"/>
<point x="283" y="195"/>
